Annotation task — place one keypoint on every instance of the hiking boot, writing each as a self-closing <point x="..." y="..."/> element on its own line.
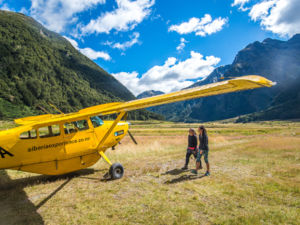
<point x="207" y="173"/>
<point x="194" y="172"/>
<point x="184" y="168"/>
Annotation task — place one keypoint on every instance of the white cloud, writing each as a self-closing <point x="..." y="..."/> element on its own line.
<point x="261" y="10"/>
<point x="72" y="41"/>
<point x="202" y="27"/>
<point x="57" y="14"/>
<point x="173" y="75"/>
<point x="123" y="46"/>
<point x="90" y="53"/>
<point x="241" y="4"/>
<point x="24" y="10"/>
<point x="181" y="46"/>
<point x="6" y="7"/>
<point x="281" y="17"/>
<point x="124" y="18"/>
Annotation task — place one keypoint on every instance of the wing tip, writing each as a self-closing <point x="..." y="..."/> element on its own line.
<point x="258" y="80"/>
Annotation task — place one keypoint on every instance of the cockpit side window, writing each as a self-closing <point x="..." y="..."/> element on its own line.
<point x="73" y="127"/>
<point x="49" y="131"/>
<point x="81" y="125"/>
<point x="31" y="134"/>
<point x="97" y="121"/>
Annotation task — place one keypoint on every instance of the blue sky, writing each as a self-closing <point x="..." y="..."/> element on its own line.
<point x="159" y="44"/>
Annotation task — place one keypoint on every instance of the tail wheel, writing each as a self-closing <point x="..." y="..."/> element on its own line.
<point x="116" y="171"/>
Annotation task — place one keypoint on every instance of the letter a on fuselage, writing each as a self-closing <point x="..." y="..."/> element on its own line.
<point x="3" y="152"/>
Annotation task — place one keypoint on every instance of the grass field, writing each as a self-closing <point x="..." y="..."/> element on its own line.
<point x="255" y="179"/>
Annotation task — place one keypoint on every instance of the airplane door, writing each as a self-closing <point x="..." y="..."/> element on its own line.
<point x="79" y="138"/>
<point x="40" y="145"/>
<point x="22" y="148"/>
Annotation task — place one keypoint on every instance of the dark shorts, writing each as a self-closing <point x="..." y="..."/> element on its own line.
<point x="204" y="153"/>
<point x="192" y="152"/>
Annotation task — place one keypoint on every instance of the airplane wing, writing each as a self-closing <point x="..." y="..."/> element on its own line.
<point x="234" y="85"/>
<point x="228" y="86"/>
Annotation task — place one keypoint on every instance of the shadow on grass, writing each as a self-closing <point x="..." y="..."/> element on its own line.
<point x="184" y="178"/>
<point x="105" y="178"/>
<point x="53" y="193"/>
<point x="174" y="172"/>
<point x="15" y="206"/>
<point x="42" y="179"/>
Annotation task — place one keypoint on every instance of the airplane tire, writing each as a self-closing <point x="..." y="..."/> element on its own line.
<point x="116" y="171"/>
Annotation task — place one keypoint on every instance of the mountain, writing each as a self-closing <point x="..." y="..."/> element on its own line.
<point x="38" y="66"/>
<point x="215" y="76"/>
<point x="274" y="59"/>
<point x="150" y="93"/>
<point x="286" y="105"/>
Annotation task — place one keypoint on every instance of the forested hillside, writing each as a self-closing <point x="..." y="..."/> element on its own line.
<point x="38" y="66"/>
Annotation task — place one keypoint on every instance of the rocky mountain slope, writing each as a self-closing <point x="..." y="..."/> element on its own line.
<point x="150" y="93"/>
<point x="273" y="59"/>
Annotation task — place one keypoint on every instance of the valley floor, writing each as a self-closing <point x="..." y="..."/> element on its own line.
<point x="255" y="179"/>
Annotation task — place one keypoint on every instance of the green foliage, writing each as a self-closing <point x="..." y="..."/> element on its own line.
<point x="11" y="111"/>
<point x="38" y="66"/>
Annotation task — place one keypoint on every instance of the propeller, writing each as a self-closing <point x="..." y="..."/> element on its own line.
<point x="132" y="138"/>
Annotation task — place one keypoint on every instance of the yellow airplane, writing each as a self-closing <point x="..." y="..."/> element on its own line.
<point x="55" y="144"/>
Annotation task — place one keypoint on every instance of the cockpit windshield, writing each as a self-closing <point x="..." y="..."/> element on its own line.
<point x="97" y="121"/>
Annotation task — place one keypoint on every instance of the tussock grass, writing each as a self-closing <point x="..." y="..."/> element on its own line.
<point x="255" y="180"/>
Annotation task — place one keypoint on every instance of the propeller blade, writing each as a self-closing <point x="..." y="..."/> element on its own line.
<point x="132" y="138"/>
<point x="125" y="116"/>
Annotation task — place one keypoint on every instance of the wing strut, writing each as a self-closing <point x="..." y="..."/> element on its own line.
<point x="120" y="116"/>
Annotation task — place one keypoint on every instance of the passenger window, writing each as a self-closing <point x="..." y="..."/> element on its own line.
<point x="31" y="134"/>
<point x="96" y="121"/>
<point x="75" y="126"/>
<point x="70" y="128"/>
<point x="49" y="131"/>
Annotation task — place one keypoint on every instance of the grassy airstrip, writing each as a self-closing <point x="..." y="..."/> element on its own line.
<point x="255" y="179"/>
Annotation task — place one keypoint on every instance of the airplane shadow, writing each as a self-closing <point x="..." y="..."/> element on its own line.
<point x="53" y="193"/>
<point x="184" y="178"/>
<point x="105" y="178"/>
<point x="15" y="206"/>
<point x="42" y="179"/>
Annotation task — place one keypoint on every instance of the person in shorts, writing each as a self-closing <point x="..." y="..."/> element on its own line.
<point x="191" y="149"/>
<point x="203" y="151"/>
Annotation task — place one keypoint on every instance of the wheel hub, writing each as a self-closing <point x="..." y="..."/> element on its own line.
<point x="118" y="170"/>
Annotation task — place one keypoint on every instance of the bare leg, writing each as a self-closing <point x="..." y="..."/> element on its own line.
<point x="198" y="165"/>
<point x="207" y="167"/>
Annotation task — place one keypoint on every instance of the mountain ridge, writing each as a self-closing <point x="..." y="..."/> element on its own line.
<point x="150" y="93"/>
<point x="274" y="59"/>
<point x="38" y="66"/>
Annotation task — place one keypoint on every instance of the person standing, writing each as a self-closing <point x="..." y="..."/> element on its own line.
<point x="203" y="151"/>
<point x="191" y="149"/>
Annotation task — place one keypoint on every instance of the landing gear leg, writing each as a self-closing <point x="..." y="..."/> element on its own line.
<point x="116" y="170"/>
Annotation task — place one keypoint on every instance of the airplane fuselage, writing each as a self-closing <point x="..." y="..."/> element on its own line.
<point x="58" y="148"/>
